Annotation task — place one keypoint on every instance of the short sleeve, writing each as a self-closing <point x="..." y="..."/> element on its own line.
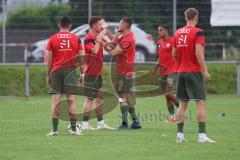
<point x="89" y="43"/>
<point x="200" y="38"/>
<point x="126" y="44"/>
<point x="49" y="45"/>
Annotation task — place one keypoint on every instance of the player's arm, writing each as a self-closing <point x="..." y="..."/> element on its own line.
<point x="96" y="48"/>
<point x="81" y="55"/>
<point x="110" y="35"/>
<point x="49" y="64"/>
<point x="81" y="60"/>
<point x="99" y="42"/>
<point x="174" y="54"/>
<point x="174" y="49"/>
<point x="116" y="36"/>
<point x="117" y="50"/>
<point x="199" y="52"/>
<point x="156" y="66"/>
<point x="106" y="30"/>
<point x="153" y="72"/>
<point x="200" y="57"/>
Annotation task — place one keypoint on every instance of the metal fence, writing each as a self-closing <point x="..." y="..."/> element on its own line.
<point x="223" y="42"/>
<point x="20" y="30"/>
<point x="28" y="65"/>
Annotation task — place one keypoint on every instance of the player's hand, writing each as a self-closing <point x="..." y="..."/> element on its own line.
<point x="116" y="29"/>
<point x="118" y="34"/>
<point x="99" y="39"/>
<point x="105" y="25"/>
<point x="207" y="76"/>
<point x="109" y="46"/>
<point x="81" y="80"/>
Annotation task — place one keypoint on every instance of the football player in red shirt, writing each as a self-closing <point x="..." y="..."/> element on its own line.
<point x="93" y="46"/>
<point x="125" y="54"/>
<point x="168" y="67"/>
<point x="188" y="51"/>
<point x="63" y="52"/>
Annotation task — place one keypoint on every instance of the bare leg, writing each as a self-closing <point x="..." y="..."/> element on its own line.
<point x="181" y="115"/>
<point x="98" y="105"/>
<point x="201" y="116"/>
<point x="86" y="108"/>
<point x="72" y="111"/>
<point x="201" y="111"/>
<point x="56" y="98"/>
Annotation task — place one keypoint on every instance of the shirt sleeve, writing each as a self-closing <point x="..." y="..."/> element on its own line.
<point x="49" y="45"/>
<point x="126" y="44"/>
<point x="88" y="44"/>
<point x="200" y="38"/>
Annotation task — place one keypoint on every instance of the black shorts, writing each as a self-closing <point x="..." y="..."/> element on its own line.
<point x="92" y="86"/>
<point x="168" y="83"/>
<point x="190" y="86"/>
<point x="124" y="84"/>
<point x="63" y="81"/>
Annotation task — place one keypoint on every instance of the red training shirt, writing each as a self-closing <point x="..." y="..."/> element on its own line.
<point x="94" y="62"/>
<point x="64" y="47"/>
<point x="166" y="61"/>
<point x="125" y="60"/>
<point x="185" y="40"/>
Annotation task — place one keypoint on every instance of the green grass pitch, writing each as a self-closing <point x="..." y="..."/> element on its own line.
<point x="24" y="124"/>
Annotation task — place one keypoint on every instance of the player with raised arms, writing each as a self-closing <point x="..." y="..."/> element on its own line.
<point x="123" y="47"/>
<point x="92" y="79"/>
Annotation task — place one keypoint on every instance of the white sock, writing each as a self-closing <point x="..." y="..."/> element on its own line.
<point x="100" y="122"/>
<point x="180" y="134"/>
<point x="85" y="123"/>
<point x="120" y="100"/>
<point x="202" y="135"/>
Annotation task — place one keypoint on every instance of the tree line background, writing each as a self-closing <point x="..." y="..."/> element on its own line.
<point x="147" y="13"/>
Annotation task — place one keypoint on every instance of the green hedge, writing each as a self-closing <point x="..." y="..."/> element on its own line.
<point x="12" y="80"/>
<point x="224" y="79"/>
<point x="36" y="17"/>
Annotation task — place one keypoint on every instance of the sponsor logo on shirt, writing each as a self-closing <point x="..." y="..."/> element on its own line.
<point x="168" y="45"/>
<point x="64" y="36"/>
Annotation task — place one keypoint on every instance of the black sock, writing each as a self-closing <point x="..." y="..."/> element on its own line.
<point x="86" y="118"/>
<point x="170" y="109"/>
<point x="176" y="102"/>
<point x="55" y="124"/>
<point x="99" y="117"/>
<point x="124" y="111"/>
<point x="73" y="123"/>
<point x="132" y="113"/>
<point x="180" y="127"/>
<point x="202" y="127"/>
